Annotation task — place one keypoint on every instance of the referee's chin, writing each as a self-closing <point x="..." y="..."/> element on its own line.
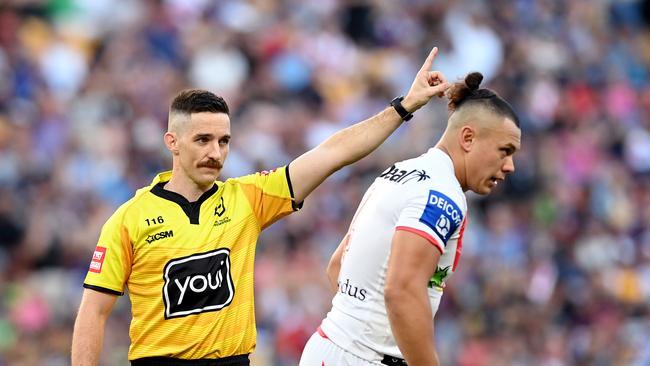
<point x="206" y="178"/>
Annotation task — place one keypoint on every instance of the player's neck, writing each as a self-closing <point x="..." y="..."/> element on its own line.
<point x="186" y="187"/>
<point x="459" y="163"/>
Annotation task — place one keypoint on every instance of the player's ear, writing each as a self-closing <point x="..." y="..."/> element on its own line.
<point x="171" y="141"/>
<point x="467" y="137"/>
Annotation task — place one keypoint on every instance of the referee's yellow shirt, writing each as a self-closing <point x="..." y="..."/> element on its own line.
<point x="188" y="266"/>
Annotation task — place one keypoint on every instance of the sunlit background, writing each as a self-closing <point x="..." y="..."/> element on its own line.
<point x="556" y="265"/>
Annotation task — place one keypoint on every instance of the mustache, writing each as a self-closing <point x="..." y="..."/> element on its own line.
<point x="211" y="163"/>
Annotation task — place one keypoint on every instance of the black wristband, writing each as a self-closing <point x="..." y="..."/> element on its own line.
<point x="397" y="104"/>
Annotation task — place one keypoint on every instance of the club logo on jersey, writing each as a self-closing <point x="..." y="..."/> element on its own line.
<point x="197" y="284"/>
<point x="439" y="277"/>
<point x="161" y="235"/>
<point x="442" y="215"/>
<point x="220" y="209"/>
<point x="98" y="260"/>
<point x="397" y="175"/>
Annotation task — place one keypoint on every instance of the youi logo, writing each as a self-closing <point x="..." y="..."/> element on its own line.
<point x="197" y="283"/>
<point x="442" y="215"/>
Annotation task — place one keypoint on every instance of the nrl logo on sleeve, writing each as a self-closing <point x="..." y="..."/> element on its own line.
<point x="197" y="284"/>
<point x="442" y="215"/>
<point x="267" y="172"/>
<point x="98" y="260"/>
<point x="397" y="175"/>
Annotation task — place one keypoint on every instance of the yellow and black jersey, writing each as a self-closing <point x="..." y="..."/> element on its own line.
<point x="188" y="266"/>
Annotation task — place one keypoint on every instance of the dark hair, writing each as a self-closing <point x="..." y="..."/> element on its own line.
<point x="467" y="92"/>
<point x="197" y="100"/>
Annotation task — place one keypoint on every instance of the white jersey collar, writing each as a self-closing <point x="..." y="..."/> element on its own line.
<point x="440" y="156"/>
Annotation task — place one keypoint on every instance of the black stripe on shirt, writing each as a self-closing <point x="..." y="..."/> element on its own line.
<point x="103" y="289"/>
<point x="294" y="205"/>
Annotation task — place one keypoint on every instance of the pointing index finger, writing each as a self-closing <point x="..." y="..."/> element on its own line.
<point x="429" y="61"/>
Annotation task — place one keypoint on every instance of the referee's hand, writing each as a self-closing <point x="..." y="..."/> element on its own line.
<point x="426" y="85"/>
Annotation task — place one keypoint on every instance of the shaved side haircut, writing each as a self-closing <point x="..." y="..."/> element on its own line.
<point x="467" y="102"/>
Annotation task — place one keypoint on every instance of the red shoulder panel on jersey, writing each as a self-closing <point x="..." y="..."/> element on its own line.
<point x="423" y="234"/>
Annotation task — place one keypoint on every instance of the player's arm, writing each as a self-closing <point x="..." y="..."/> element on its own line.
<point x="88" y="334"/>
<point x="334" y="266"/>
<point x="353" y="143"/>
<point x="411" y="265"/>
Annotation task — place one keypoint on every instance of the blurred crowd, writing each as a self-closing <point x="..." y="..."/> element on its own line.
<point x="555" y="268"/>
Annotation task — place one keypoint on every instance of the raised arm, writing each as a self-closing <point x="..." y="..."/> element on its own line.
<point x="88" y="335"/>
<point x="353" y="143"/>
<point x="412" y="263"/>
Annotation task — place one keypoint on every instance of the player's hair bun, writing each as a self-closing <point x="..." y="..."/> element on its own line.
<point x="468" y="92"/>
<point x="473" y="80"/>
<point x="463" y="90"/>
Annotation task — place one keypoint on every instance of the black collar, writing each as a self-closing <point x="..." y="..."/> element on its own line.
<point x="191" y="209"/>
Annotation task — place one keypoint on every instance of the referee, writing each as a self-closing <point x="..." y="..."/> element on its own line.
<point x="184" y="246"/>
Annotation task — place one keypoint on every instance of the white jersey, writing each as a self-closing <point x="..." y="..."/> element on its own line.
<point x="420" y="195"/>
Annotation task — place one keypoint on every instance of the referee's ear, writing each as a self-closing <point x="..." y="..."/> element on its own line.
<point x="171" y="141"/>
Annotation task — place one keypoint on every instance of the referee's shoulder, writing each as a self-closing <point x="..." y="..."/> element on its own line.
<point x="257" y="176"/>
<point x="133" y="204"/>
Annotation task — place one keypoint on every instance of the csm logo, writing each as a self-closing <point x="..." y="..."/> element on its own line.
<point x="161" y="235"/>
<point x="198" y="283"/>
